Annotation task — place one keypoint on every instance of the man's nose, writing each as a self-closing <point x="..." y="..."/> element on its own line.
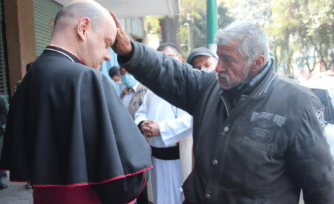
<point x="107" y="56"/>
<point x="220" y="66"/>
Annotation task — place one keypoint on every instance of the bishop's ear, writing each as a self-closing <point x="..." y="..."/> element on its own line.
<point x="83" y="25"/>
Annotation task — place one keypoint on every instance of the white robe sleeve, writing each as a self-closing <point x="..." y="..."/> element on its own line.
<point x="175" y="130"/>
<point x="141" y="113"/>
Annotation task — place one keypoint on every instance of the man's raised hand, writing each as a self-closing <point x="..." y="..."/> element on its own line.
<point x="122" y="45"/>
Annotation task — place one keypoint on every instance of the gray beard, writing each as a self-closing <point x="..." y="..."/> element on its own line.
<point x="229" y="82"/>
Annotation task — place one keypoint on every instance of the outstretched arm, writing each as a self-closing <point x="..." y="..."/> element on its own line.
<point x="178" y="83"/>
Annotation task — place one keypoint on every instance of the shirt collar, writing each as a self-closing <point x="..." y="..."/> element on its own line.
<point x="135" y="87"/>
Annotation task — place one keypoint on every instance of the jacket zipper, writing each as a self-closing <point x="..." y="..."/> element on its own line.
<point x="228" y="114"/>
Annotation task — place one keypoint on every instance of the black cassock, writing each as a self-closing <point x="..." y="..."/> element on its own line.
<point x="67" y="126"/>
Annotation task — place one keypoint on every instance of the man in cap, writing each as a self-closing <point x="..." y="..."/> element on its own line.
<point x="67" y="133"/>
<point x="203" y="59"/>
<point x="258" y="137"/>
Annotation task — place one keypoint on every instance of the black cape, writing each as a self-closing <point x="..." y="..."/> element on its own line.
<point x="67" y="126"/>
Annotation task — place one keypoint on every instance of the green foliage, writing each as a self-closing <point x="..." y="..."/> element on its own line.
<point x="224" y="18"/>
<point x="197" y="22"/>
<point x="193" y="8"/>
<point x="183" y="35"/>
<point x="153" y="24"/>
<point x="299" y="31"/>
<point x="257" y="11"/>
<point x="310" y="23"/>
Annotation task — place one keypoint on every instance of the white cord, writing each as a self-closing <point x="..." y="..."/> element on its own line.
<point x="60" y="53"/>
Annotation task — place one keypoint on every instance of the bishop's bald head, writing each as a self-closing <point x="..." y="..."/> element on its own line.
<point x="86" y="29"/>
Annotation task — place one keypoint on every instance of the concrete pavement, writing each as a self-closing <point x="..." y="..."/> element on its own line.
<point x="16" y="193"/>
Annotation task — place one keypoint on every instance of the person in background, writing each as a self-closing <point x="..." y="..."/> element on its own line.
<point x="132" y="97"/>
<point x="165" y="126"/>
<point x="67" y="131"/>
<point x="203" y="59"/>
<point x="27" y="186"/>
<point x="3" y="118"/>
<point x="27" y="69"/>
<point x="133" y="94"/>
<point x="115" y="75"/>
<point x="258" y="137"/>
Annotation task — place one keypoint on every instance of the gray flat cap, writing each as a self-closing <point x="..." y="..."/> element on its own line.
<point x="201" y="51"/>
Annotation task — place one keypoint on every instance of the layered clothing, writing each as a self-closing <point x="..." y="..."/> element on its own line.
<point x="133" y="97"/>
<point x="263" y="147"/>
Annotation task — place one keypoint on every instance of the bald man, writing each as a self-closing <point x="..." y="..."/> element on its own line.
<point x="68" y="134"/>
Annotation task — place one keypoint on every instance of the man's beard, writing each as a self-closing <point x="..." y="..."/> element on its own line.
<point x="225" y="81"/>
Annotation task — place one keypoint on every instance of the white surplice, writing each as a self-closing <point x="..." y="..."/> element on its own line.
<point x="174" y="125"/>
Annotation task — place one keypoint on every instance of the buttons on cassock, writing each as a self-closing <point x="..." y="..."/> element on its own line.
<point x="215" y="162"/>
<point x="226" y="129"/>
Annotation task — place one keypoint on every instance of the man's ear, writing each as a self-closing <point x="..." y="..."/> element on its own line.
<point x="82" y="27"/>
<point x="258" y="64"/>
<point x="180" y="58"/>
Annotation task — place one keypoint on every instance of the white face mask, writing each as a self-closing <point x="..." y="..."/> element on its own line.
<point x="119" y="82"/>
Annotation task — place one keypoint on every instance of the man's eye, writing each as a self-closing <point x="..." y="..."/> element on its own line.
<point x="226" y="58"/>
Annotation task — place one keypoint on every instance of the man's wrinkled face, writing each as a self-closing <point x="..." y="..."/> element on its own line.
<point x="172" y="53"/>
<point x="231" y="70"/>
<point x="204" y="62"/>
<point x="98" y="43"/>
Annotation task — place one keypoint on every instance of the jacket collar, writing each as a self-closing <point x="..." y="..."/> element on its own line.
<point x="63" y="52"/>
<point x="233" y="95"/>
<point x="267" y="81"/>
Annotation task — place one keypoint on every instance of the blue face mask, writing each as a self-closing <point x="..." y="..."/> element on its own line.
<point x="128" y="80"/>
<point x="208" y="71"/>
